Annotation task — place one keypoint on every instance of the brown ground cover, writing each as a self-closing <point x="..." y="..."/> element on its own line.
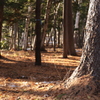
<point x="21" y="80"/>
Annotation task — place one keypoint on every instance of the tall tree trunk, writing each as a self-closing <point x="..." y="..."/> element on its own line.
<point x="33" y="42"/>
<point x="70" y="30"/>
<point x="14" y="35"/>
<point x="59" y="24"/>
<point x="27" y="22"/>
<point x="65" y="35"/>
<point x="90" y="60"/>
<point x="18" y="42"/>
<point x="38" y="33"/>
<point x="45" y="24"/>
<point x="1" y="18"/>
<point x="68" y="40"/>
<point x="77" y="39"/>
<point x="77" y="19"/>
<point x="55" y="14"/>
<point x="55" y="17"/>
<point x="50" y="36"/>
<point x="26" y="34"/>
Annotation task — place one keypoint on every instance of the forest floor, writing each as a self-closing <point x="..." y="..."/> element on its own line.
<point x="20" y="79"/>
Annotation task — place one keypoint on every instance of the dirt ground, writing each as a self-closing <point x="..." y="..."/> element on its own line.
<point x="20" y="79"/>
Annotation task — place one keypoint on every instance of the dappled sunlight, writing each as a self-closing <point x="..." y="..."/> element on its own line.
<point x="20" y="79"/>
<point x="19" y="88"/>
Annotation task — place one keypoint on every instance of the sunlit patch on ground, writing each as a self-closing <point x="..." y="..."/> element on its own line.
<point x="21" y="80"/>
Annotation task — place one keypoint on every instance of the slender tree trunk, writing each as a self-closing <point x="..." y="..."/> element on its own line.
<point x="38" y="33"/>
<point x="77" y="39"/>
<point x="45" y="24"/>
<point x="50" y="36"/>
<point x="1" y="18"/>
<point x="27" y="22"/>
<point x="55" y="29"/>
<point x="33" y="42"/>
<point x="18" y="43"/>
<point x="33" y="37"/>
<point x="59" y="34"/>
<point x="77" y="20"/>
<point x="26" y="34"/>
<point x="55" y="17"/>
<point x="14" y="35"/>
<point x="76" y="32"/>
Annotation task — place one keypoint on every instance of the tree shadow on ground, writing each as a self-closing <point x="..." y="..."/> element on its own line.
<point x="26" y="70"/>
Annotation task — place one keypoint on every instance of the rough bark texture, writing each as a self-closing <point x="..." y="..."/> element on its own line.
<point x="88" y="72"/>
<point x="90" y="60"/>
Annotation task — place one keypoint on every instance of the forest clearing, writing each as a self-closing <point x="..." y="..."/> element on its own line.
<point x="21" y="80"/>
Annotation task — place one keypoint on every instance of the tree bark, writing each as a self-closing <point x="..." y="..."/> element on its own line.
<point x="90" y="60"/>
<point x="59" y="33"/>
<point x="55" y="32"/>
<point x="70" y="26"/>
<point x="45" y="25"/>
<point x="26" y="34"/>
<point x="89" y="68"/>
<point x="78" y="41"/>
<point x="38" y="33"/>
<point x="27" y="22"/>
<point x="1" y="18"/>
<point x="50" y="36"/>
<point x="14" y="35"/>
<point x="65" y="35"/>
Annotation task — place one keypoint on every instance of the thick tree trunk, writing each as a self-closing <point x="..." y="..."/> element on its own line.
<point x="71" y="48"/>
<point x="90" y="60"/>
<point x="86" y="77"/>
<point x="65" y="35"/>
<point x="68" y="40"/>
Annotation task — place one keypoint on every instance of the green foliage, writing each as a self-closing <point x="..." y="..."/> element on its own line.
<point x="17" y="11"/>
<point x="4" y="45"/>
